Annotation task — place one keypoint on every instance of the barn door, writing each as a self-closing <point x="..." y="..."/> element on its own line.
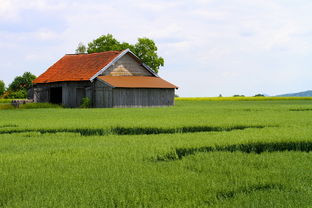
<point x="56" y="95"/>
<point x="80" y="94"/>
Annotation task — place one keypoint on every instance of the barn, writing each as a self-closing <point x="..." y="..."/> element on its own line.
<point x="108" y="79"/>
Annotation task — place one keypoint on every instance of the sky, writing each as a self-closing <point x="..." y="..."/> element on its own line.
<point x="210" y="47"/>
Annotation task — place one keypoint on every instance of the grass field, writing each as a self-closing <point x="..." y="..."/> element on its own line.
<point x="240" y="98"/>
<point x="195" y="154"/>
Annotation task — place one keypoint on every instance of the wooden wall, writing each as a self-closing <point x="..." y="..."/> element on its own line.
<point x="142" y="97"/>
<point x="72" y="92"/>
<point x="107" y="97"/>
<point x="104" y="96"/>
<point x="127" y="66"/>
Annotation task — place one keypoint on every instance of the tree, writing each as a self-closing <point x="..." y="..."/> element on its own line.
<point x="2" y="87"/>
<point x="18" y="88"/>
<point x="23" y="82"/>
<point x="81" y="48"/>
<point x="145" y="49"/>
<point x="104" y="43"/>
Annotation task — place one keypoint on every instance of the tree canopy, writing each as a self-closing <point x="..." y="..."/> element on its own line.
<point x="19" y="86"/>
<point x="23" y="82"/>
<point x="81" y="48"/>
<point x="2" y="87"/>
<point x="145" y="49"/>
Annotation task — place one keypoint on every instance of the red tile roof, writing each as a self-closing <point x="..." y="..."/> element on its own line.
<point x="136" y="82"/>
<point x="77" y="67"/>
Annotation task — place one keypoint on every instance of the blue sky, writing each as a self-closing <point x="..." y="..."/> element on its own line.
<point x="210" y="47"/>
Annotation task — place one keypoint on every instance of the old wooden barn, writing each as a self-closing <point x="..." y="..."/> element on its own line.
<point x="108" y="79"/>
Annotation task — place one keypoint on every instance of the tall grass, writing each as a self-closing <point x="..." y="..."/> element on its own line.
<point x="29" y="106"/>
<point x="6" y="100"/>
<point x="240" y="98"/>
<point x="66" y="170"/>
<point x="42" y="166"/>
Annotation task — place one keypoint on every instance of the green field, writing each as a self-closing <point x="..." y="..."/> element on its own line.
<point x="195" y="154"/>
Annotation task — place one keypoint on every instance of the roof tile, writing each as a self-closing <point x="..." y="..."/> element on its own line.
<point x="77" y="67"/>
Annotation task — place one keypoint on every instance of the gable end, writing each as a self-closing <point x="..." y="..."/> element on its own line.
<point x="122" y="54"/>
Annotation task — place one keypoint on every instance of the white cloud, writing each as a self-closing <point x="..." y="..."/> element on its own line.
<point x="47" y="35"/>
<point x="7" y="10"/>
<point x="10" y="9"/>
<point x="229" y="46"/>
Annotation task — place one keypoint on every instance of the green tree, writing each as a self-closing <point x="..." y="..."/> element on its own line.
<point x="145" y="49"/>
<point x="18" y="88"/>
<point x="2" y="87"/>
<point x="23" y="82"/>
<point x="104" y="43"/>
<point x="81" y="48"/>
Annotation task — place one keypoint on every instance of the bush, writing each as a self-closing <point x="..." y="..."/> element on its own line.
<point x="86" y="103"/>
<point x="39" y="105"/>
<point x="21" y="94"/>
<point x="5" y="101"/>
<point x="29" y="106"/>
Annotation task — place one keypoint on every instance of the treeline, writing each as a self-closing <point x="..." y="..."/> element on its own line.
<point x="18" y="89"/>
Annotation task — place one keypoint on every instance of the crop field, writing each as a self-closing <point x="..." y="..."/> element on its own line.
<point x="197" y="153"/>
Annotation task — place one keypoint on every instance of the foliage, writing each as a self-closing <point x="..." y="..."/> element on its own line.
<point x="145" y="49"/>
<point x="20" y="94"/>
<point x="238" y="95"/>
<point x="19" y="87"/>
<point x="48" y="153"/>
<point x="2" y="88"/>
<point x="23" y="82"/>
<point x="81" y="48"/>
<point x="105" y="43"/>
<point x="39" y="105"/>
<point x="86" y="103"/>
<point x="6" y="100"/>
<point x="259" y="95"/>
<point x="30" y="106"/>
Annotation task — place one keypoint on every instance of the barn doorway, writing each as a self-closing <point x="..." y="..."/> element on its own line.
<point x="56" y="95"/>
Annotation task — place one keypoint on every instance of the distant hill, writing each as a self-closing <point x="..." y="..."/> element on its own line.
<point x="298" y="94"/>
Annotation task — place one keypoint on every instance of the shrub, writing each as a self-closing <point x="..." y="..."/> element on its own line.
<point x="39" y="105"/>
<point x="5" y="100"/>
<point x="86" y="103"/>
<point x="21" y="94"/>
<point x="29" y="106"/>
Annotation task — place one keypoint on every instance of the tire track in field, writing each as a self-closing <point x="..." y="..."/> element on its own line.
<point x="257" y="148"/>
<point x="224" y="195"/>
<point x="132" y="130"/>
